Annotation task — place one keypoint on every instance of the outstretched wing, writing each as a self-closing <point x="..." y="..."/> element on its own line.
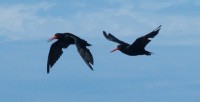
<point x="83" y="51"/>
<point x="112" y="38"/>
<point x="54" y="54"/>
<point x="153" y="33"/>
<point x="141" y="42"/>
<point x="86" y="55"/>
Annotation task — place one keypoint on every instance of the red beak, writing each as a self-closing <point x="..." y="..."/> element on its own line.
<point x="114" y="50"/>
<point x="54" y="37"/>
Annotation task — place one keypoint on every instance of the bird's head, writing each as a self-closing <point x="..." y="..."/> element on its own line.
<point x="119" y="47"/>
<point x="56" y="36"/>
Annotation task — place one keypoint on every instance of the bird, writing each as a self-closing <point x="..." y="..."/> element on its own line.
<point x="137" y="47"/>
<point x="63" y="41"/>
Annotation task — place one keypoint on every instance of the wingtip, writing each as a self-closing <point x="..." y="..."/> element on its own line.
<point x="48" y="70"/>
<point x="104" y="33"/>
<point x="159" y="27"/>
<point x="90" y="66"/>
<point x="92" y="69"/>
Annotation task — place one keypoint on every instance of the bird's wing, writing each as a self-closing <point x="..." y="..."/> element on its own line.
<point x="86" y="55"/>
<point x="141" y="42"/>
<point x="83" y="51"/>
<point x="153" y="33"/>
<point x="54" y="54"/>
<point x="113" y="38"/>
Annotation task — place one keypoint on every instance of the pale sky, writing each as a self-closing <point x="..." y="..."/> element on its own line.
<point x="171" y="74"/>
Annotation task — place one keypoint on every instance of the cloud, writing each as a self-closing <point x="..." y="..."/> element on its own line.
<point x="17" y="21"/>
<point x="159" y="4"/>
<point x="123" y="19"/>
<point x="13" y="17"/>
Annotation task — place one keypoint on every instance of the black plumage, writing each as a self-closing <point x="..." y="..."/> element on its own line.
<point x="137" y="47"/>
<point x="64" y="40"/>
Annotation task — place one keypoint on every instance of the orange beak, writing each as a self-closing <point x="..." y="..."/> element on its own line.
<point x="115" y="50"/>
<point x="54" y="37"/>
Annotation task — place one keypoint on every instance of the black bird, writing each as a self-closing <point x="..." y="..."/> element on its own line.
<point x="64" y="40"/>
<point x="137" y="47"/>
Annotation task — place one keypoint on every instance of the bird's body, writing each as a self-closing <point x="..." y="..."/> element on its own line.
<point x="134" y="52"/>
<point x="64" y="40"/>
<point x="137" y="47"/>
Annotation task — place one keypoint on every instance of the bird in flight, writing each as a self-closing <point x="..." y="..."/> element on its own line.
<point x="137" y="47"/>
<point x="64" y="40"/>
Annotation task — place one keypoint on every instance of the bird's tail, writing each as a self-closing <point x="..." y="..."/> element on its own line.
<point x="148" y="53"/>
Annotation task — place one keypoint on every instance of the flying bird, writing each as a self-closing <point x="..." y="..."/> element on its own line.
<point x="137" y="47"/>
<point x="64" y="40"/>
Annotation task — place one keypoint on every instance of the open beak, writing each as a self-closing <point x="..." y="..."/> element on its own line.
<point x="54" y="37"/>
<point x="114" y="50"/>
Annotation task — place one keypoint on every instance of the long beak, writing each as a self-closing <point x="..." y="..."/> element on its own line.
<point x="54" y="37"/>
<point x="114" y="49"/>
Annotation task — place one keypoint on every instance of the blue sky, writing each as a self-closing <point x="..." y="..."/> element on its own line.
<point x="169" y="75"/>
